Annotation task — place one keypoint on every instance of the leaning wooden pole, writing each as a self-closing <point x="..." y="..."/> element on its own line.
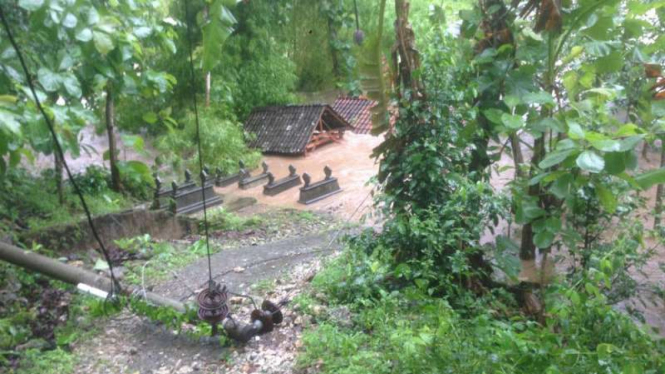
<point x="74" y="275"/>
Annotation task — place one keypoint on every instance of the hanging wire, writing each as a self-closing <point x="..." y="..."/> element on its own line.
<point x="198" y="140"/>
<point x="115" y="285"/>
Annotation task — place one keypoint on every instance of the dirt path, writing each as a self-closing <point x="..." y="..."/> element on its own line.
<point x="131" y="344"/>
<point x="240" y="268"/>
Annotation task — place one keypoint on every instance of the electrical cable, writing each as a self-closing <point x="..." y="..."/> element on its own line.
<point x="198" y="141"/>
<point x="58" y="148"/>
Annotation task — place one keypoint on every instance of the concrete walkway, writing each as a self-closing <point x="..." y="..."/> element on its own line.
<point x="240" y="268"/>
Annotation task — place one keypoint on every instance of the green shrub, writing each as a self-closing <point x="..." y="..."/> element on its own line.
<point x="409" y="331"/>
<point x="222" y="143"/>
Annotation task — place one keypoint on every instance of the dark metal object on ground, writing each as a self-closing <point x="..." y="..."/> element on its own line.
<point x="247" y="181"/>
<point x="275" y="187"/>
<point x="313" y="192"/>
<point x="227" y="180"/>
<point x="274" y="309"/>
<point x="212" y="305"/>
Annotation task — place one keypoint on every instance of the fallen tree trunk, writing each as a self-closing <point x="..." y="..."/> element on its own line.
<point x="74" y="275"/>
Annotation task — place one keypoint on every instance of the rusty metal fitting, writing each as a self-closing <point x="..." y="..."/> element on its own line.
<point x="212" y="305"/>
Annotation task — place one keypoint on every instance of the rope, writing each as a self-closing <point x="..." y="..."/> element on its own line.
<point x="198" y="142"/>
<point x="58" y="148"/>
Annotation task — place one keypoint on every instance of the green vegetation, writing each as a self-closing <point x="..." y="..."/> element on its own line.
<point x="571" y="92"/>
<point x="539" y="81"/>
<point x="29" y="203"/>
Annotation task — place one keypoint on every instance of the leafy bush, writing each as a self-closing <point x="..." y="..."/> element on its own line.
<point x="409" y="331"/>
<point x="222" y="143"/>
<point x="30" y="203"/>
<point x="95" y="180"/>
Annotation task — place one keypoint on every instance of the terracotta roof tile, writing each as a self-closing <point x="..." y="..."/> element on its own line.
<point x="357" y="112"/>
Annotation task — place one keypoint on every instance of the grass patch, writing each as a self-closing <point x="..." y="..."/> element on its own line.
<point x="164" y="259"/>
<point x="221" y="220"/>
<point x="57" y="361"/>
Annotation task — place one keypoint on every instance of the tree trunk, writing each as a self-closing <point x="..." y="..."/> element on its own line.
<point x="332" y="37"/>
<point x="405" y="54"/>
<point x="58" y="178"/>
<point x="116" y="185"/>
<point x="518" y="157"/>
<point x="661" y="189"/>
<point x="527" y="247"/>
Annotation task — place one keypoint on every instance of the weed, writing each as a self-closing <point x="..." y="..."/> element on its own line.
<point x="58" y="361"/>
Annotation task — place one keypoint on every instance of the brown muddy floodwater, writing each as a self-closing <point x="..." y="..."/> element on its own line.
<point x="351" y="164"/>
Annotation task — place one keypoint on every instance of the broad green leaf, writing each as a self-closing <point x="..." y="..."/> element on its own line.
<point x="66" y="62"/>
<point x="547" y="123"/>
<point x="103" y="42"/>
<point x="93" y="16"/>
<point x="540" y="98"/>
<point x="543" y="239"/>
<point x="70" y="21"/>
<point x="512" y="121"/>
<point x="506" y="256"/>
<point x="615" y="162"/>
<point x="652" y="177"/>
<point x="606" y="145"/>
<point x="555" y="158"/>
<point x="142" y="32"/>
<point x="512" y="101"/>
<point x="565" y="144"/>
<point x="597" y="48"/>
<point x="627" y="129"/>
<point x="5" y="100"/>
<point x="31" y="5"/>
<point x="602" y="29"/>
<point x="48" y="79"/>
<point x="8" y="121"/>
<point x="630" y="143"/>
<point x="72" y="85"/>
<point x="591" y="162"/>
<point x="562" y="186"/>
<point x="607" y="198"/>
<point x="494" y="115"/>
<point x="84" y="35"/>
<point x="134" y="141"/>
<point x="575" y="52"/>
<point x="575" y="131"/>
<point x="527" y="211"/>
<point x="150" y="117"/>
<point x="611" y="63"/>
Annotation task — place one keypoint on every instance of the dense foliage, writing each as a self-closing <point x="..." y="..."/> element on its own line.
<point x="544" y="82"/>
